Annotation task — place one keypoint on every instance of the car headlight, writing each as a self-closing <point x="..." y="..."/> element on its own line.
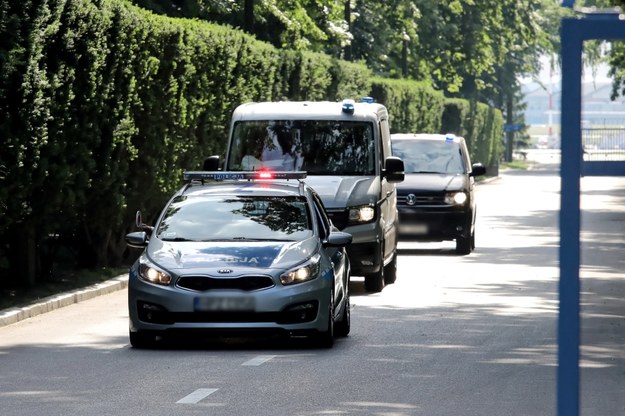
<point x="456" y="198"/>
<point x="151" y="274"/>
<point x="302" y="273"/>
<point x="361" y="215"/>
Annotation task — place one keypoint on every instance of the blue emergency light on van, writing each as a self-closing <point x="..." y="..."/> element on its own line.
<point x="368" y="100"/>
<point x="348" y="106"/>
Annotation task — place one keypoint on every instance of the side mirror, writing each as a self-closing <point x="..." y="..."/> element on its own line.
<point x="338" y="239"/>
<point x="138" y="239"/>
<point x="393" y="169"/>
<point x="211" y="164"/>
<point x="477" y="169"/>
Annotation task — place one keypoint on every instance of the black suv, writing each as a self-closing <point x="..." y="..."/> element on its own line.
<point x="436" y="200"/>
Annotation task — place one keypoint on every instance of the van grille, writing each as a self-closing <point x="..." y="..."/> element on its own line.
<point x="339" y="217"/>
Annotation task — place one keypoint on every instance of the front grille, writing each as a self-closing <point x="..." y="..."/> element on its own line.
<point x="204" y="283"/>
<point x="422" y="200"/>
<point x="339" y="217"/>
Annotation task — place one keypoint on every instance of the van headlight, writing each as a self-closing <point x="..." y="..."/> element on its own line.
<point x="149" y="273"/>
<point x="361" y="215"/>
<point x="456" y="198"/>
<point x="302" y="273"/>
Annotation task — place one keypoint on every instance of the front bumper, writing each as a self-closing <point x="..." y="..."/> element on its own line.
<point x="290" y="309"/>
<point x="418" y="224"/>
<point x="365" y="251"/>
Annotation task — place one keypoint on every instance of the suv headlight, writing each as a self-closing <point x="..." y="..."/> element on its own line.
<point x="302" y="273"/>
<point x="456" y="198"/>
<point x="151" y="274"/>
<point x="361" y="215"/>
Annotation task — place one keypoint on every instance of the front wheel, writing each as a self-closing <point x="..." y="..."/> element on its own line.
<point x="390" y="271"/>
<point x="343" y="326"/>
<point x="325" y="339"/>
<point x="463" y="245"/>
<point x="374" y="282"/>
<point x="141" y="339"/>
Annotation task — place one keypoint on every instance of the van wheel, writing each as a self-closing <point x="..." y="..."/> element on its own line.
<point x="375" y="282"/>
<point x="390" y="271"/>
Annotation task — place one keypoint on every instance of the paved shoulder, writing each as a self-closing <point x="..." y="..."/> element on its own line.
<point x="13" y="315"/>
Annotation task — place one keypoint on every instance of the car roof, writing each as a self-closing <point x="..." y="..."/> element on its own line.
<point x="427" y="136"/>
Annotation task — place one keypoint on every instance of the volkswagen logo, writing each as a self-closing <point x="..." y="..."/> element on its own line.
<point x="224" y="271"/>
<point x="411" y="199"/>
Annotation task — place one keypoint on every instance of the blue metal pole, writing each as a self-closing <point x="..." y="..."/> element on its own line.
<point x="571" y="159"/>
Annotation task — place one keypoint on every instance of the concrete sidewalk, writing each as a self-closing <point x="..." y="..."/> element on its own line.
<point x="13" y="315"/>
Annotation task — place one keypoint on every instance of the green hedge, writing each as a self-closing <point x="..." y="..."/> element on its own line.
<point x="103" y="105"/>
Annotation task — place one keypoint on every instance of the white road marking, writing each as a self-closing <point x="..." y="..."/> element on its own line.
<point x="259" y="360"/>
<point x="196" y="396"/>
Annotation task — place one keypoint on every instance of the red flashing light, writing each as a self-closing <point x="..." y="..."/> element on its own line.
<point x="265" y="175"/>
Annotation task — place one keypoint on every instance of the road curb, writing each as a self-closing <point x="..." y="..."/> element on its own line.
<point x="14" y="315"/>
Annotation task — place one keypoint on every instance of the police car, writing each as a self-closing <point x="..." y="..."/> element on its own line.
<point x="234" y="252"/>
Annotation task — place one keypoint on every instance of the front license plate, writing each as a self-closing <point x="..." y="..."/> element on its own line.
<point x="415" y="228"/>
<point x="224" y="303"/>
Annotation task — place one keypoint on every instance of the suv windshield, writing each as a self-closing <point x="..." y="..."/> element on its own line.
<point x="206" y="218"/>
<point x="429" y="156"/>
<point x="319" y="147"/>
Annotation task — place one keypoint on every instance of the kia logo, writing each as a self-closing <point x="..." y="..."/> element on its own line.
<point x="224" y="271"/>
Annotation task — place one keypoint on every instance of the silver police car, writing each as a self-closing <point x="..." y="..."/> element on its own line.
<point x="240" y="252"/>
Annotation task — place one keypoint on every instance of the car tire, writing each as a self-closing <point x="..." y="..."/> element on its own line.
<point x="463" y="245"/>
<point x="390" y="271"/>
<point x="141" y="339"/>
<point x="343" y="326"/>
<point x="325" y="339"/>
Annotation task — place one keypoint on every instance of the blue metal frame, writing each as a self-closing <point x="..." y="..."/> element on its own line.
<point x="574" y="31"/>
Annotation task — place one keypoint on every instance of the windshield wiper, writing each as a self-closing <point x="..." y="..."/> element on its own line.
<point x="257" y="239"/>
<point x="176" y="239"/>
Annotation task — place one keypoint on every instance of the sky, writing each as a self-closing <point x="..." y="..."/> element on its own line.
<point x="544" y="76"/>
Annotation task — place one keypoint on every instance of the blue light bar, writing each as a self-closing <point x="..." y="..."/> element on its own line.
<point x="368" y="100"/>
<point x="236" y="176"/>
<point x="450" y="138"/>
<point x="348" y="106"/>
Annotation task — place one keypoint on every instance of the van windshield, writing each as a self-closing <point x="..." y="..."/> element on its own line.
<point x="319" y="147"/>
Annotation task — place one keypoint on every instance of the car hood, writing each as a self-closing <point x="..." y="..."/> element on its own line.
<point x="346" y="191"/>
<point x="238" y="257"/>
<point x="432" y="182"/>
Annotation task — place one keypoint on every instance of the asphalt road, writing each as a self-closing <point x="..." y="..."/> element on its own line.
<point x="455" y="335"/>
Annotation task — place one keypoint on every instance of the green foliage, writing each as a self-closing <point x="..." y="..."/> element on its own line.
<point x="104" y="104"/>
<point x="412" y="106"/>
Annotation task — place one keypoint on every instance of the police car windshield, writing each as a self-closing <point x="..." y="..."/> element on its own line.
<point x="210" y="218"/>
<point x="319" y="147"/>
<point x="429" y="156"/>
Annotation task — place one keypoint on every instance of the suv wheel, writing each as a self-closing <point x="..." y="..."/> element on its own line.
<point x="463" y="245"/>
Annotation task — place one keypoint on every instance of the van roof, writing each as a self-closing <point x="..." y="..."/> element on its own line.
<point x="427" y="136"/>
<point x="308" y="110"/>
